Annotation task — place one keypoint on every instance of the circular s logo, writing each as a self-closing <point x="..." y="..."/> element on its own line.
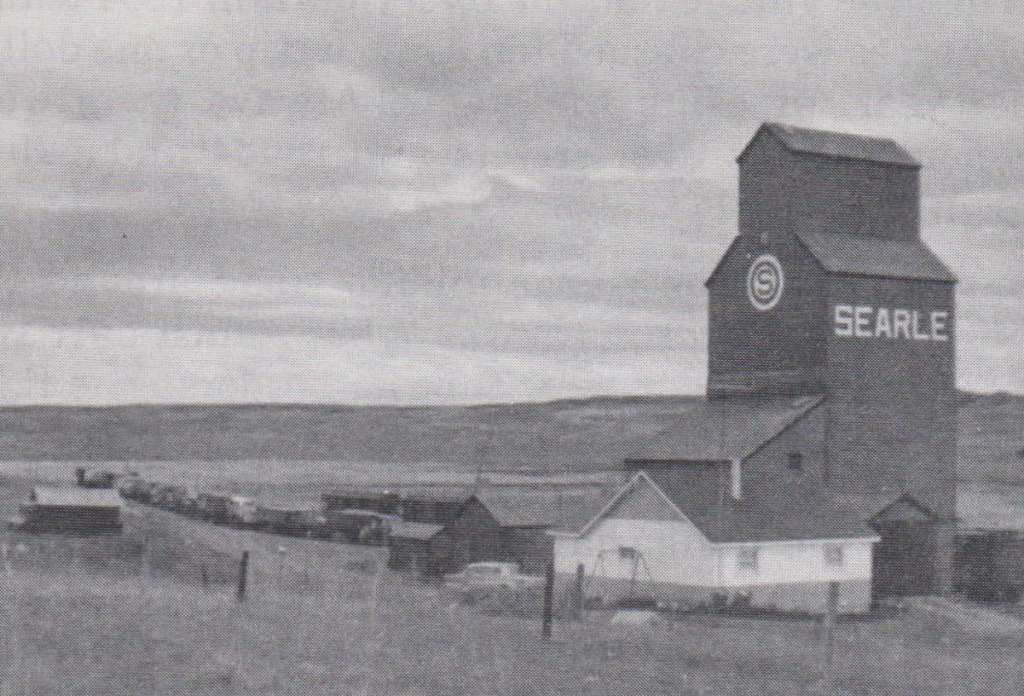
<point x="765" y="282"/>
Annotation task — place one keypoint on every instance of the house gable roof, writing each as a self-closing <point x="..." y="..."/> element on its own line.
<point x="795" y="514"/>
<point x="725" y="429"/>
<point x="882" y="507"/>
<point x="905" y="507"/>
<point x="639" y="479"/>
<point x="824" y="143"/>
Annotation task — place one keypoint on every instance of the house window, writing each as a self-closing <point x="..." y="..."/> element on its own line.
<point x="834" y="556"/>
<point x="746" y="558"/>
<point x="795" y="461"/>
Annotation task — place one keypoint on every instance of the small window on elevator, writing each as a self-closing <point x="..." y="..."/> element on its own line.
<point x="795" y="461"/>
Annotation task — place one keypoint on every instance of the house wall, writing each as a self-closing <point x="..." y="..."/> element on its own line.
<point x="796" y="562"/>
<point x="672" y="552"/>
<point x="678" y="564"/>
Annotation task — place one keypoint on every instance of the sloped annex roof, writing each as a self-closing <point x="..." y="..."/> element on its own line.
<point x="75" y="497"/>
<point x="834" y="144"/>
<point x="864" y="255"/>
<point x="725" y="429"/>
<point x="874" y="255"/>
<point x="795" y="514"/>
<point x="881" y="506"/>
<point x="516" y="507"/>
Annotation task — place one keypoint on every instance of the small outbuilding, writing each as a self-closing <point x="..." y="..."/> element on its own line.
<point x="524" y="515"/>
<point x="71" y="511"/>
<point x="418" y="547"/>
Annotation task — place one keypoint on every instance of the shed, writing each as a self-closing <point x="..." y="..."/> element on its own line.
<point x="524" y="516"/>
<point x="418" y="547"/>
<point x="72" y="510"/>
<point x="360" y="526"/>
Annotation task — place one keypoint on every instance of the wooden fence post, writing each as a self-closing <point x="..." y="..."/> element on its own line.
<point x="549" y="596"/>
<point x="577" y="592"/>
<point x="243" y="573"/>
<point x="831" y="617"/>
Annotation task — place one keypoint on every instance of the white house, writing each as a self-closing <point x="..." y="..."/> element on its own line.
<point x="781" y="554"/>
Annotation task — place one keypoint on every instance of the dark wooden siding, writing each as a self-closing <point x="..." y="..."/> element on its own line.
<point x="72" y="520"/>
<point x="531" y="547"/>
<point x="892" y="402"/>
<point x="781" y="350"/>
<point x="770" y="466"/>
<point x="854" y="197"/>
<point x="474" y="536"/>
<point x="904" y="559"/>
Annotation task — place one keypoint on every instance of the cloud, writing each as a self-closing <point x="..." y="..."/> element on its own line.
<point x="527" y="195"/>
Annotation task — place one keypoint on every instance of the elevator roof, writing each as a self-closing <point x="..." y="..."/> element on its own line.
<point x="832" y="144"/>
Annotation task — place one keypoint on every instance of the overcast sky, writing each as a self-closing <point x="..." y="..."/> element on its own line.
<point x="432" y="202"/>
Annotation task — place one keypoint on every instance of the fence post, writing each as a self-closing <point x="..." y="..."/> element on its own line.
<point x="831" y="616"/>
<point x="549" y="595"/>
<point x="243" y="573"/>
<point x="577" y="592"/>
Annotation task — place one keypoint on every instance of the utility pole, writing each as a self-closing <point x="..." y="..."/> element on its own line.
<point x="243" y="576"/>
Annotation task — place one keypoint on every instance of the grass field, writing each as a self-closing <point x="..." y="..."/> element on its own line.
<point x="134" y="616"/>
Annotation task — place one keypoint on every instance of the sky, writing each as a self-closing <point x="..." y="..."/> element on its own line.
<point x="454" y="202"/>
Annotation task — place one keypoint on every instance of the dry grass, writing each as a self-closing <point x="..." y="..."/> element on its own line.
<point x="329" y="619"/>
<point x="132" y="616"/>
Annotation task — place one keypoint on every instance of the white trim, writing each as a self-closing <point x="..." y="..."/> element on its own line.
<point x="631" y="485"/>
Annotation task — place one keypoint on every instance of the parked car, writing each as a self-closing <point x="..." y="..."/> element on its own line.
<point x="96" y="478"/>
<point x="241" y="510"/>
<point x="361" y="526"/>
<point x="492" y="574"/>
